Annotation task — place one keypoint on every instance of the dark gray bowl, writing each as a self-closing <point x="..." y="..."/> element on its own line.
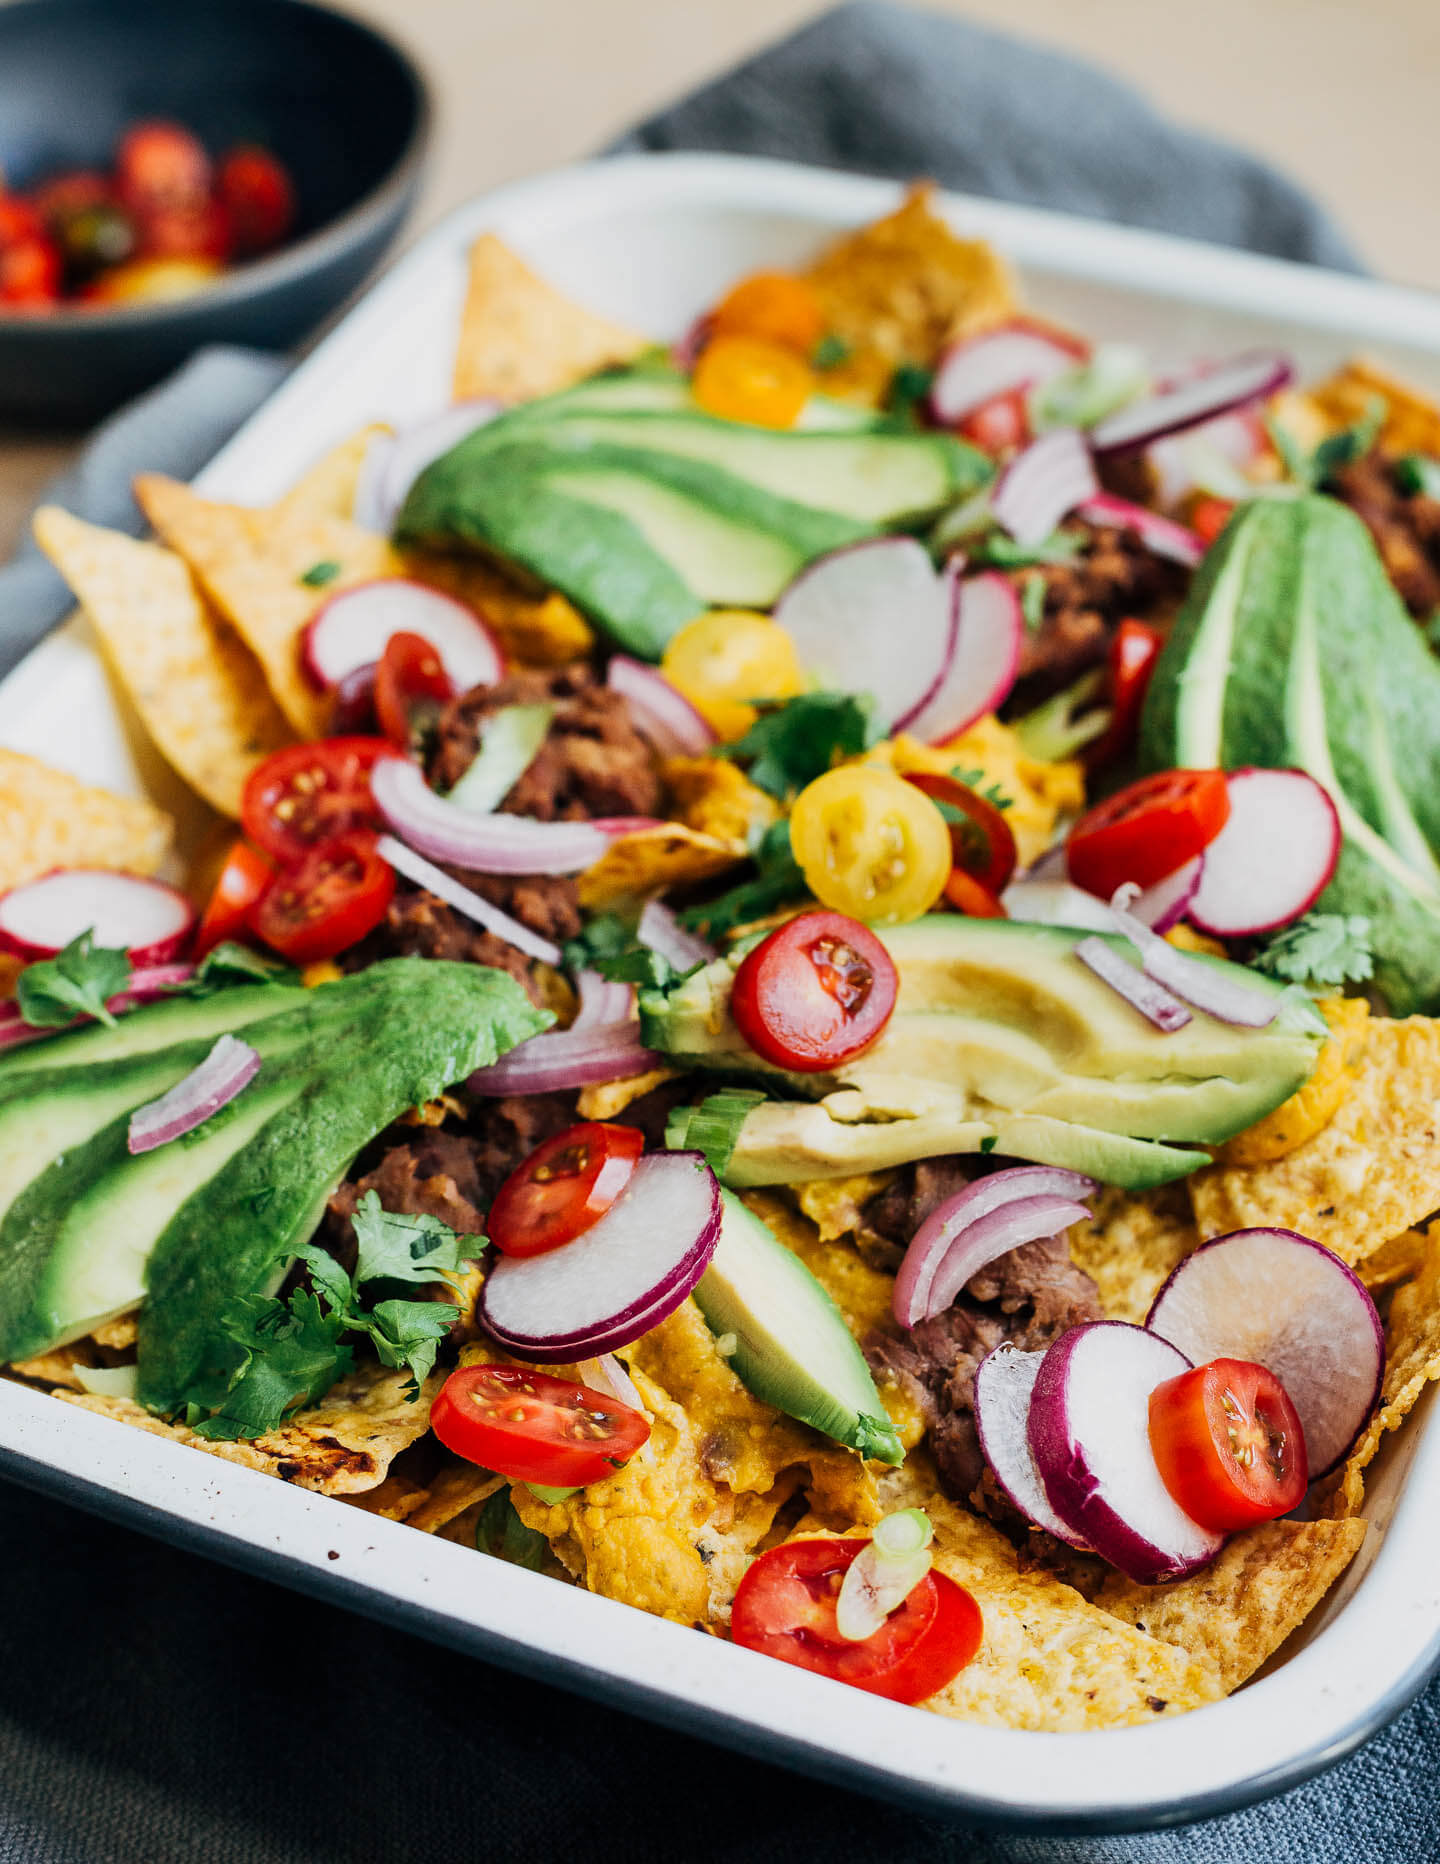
<point x="342" y="107"/>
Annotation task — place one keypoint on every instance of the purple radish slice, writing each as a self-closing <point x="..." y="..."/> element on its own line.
<point x="1203" y="985"/>
<point x="1211" y="458"/>
<point x="987" y="636"/>
<point x="977" y="369"/>
<point x="1274" y="857"/>
<point x="396" y="461"/>
<point x="147" y="919"/>
<point x="1288" y="1304"/>
<point x="1142" y="992"/>
<point x="1004" y="1384"/>
<point x="351" y="630"/>
<point x="873" y="618"/>
<point x="1252" y="377"/>
<point x="969" y="1230"/>
<point x="661" y="712"/>
<point x="1089" y="1432"/>
<point x="1163" y="537"/>
<point x="619" y="1278"/>
<point x="1051" y="477"/>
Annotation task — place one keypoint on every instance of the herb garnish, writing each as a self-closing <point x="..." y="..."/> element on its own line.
<point x="778" y="882"/>
<point x="611" y="945"/>
<point x="230" y="963"/>
<point x="1417" y="473"/>
<point x="1314" y="470"/>
<point x="796" y="740"/>
<point x="830" y="352"/>
<point x="713" y="1128"/>
<point x="1322" y="949"/>
<point x="78" y="981"/>
<point x="321" y="573"/>
<point x="905" y="397"/>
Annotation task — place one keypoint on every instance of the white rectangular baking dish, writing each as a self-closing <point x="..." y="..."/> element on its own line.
<point x="650" y="240"/>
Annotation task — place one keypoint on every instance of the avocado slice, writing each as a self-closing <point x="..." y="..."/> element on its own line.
<point x="157" y="1025"/>
<point x="650" y="388"/>
<point x="792" y="1348"/>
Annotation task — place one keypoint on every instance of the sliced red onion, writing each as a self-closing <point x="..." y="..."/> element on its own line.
<point x="1004" y="1384"/>
<point x="1252" y="377"/>
<point x="1205" y="986"/>
<point x="686" y="351"/>
<point x="1141" y="991"/>
<point x="1210" y="458"/>
<point x="602" y="1001"/>
<point x="1164" y="904"/>
<point x="1163" y="537"/>
<point x="435" y="880"/>
<point x="565" y="1058"/>
<point x="661" y="711"/>
<point x="977" y="369"/>
<point x="606" y="1374"/>
<point x="488" y="844"/>
<point x="986" y="641"/>
<point x="663" y="932"/>
<point x="395" y="461"/>
<point x="1049" y="478"/>
<point x="962" y="1235"/>
<point x="350" y="631"/>
<point x="619" y="1278"/>
<point x="229" y="1068"/>
<point x="147" y="919"/>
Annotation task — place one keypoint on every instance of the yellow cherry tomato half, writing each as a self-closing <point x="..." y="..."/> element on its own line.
<point x="774" y="307"/>
<point x="741" y="379"/>
<point x="727" y="657"/>
<point x="870" y="844"/>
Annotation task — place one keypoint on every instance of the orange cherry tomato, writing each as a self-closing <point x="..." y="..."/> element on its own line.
<point x="308" y="794"/>
<point x="741" y="379"/>
<point x="533" y="1427"/>
<point x="326" y="902"/>
<point x="189" y="230"/>
<point x="773" y="307"/>
<point x="1134" y="650"/>
<point x="1209" y="516"/>
<point x="967" y="895"/>
<point x="785" y="1608"/>
<point x="161" y="164"/>
<point x="30" y="272"/>
<point x="814" y="993"/>
<point x="980" y="836"/>
<point x="410" y="685"/>
<point x="1147" y="830"/>
<point x="259" y="198"/>
<point x="243" y="879"/>
<point x="1228" y="1444"/>
<point x="564" y="1187"/>
<point x="152" y="281"/>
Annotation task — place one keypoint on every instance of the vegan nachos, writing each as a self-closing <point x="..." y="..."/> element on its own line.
<point x="778" y="1023"/>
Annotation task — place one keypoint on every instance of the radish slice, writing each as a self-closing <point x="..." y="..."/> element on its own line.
<point x="229" y="1068"/>
<point x="661" y="712"/>
<point x="1089" y="1432"/>
<point x="1202" y="984"/>
<point x="977" y="369"/>
<point x="1274" y="857"/>
<point x="989" y="632"/>
<point x="1253" y="377"/>
<point x="1053" y="475"/>
<point x="351" y="630"/>
<point x="1288" y="1304"/>
<point x="445" y="887"/>
<point x="1004" y="1384"/>
<point x="1143" y="993"/>
<point x="560" y="1059"/>
<point x="1164" y="905"/>
<point x="144" y="987"/>
<point x="150" y="921"/>
<point x="396" y="461"/>
<point x="618" y="1279"/>
<point x="1163" y="537"/>
<point x="873" y="618"/>
<point x="1056" y="903"/>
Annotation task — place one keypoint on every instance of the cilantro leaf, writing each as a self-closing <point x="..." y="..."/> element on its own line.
<point x="1417" y="473"/>
<point x="906" y="394"/>
<point x="777" y="882"/>
<point x="1322" y="949"/>
<point x="830" y="352"/>
<point x="321" y="573"/>
<point x="394" y="1246"/>
<point x="1000" y="551"/>
<point x="79" y="981"/>
<point x="611" y="946"/>
<point x="1316" y="469"/>
<point x="408" y="1333"/>
<point x="796" y="740"/>
<point x="230" y="963"/>
<point x="290" y="1354"/>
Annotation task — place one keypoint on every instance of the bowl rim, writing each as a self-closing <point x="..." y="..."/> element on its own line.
<point x="289" y="263"/>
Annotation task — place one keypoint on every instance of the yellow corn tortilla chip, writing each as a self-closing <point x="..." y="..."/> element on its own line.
<point x="49" y="819"/>
<point x="328" y="489"/>
<point x="1412" y="417"/>
<point x="535" y="627"/>
<point x="651" y="860"/>
<point x="607" y="1100"/>
<point x="520" y="337"/>
<point x="1412" y="1361"/>
<point x="1313" y="1106"/>
<point x="715" y="797"/>
<point x="341" y="1446"/>
<point x="396" y="1499"/>
<point x="1372" y="1172"/>
<point x="1396" y="1261"/>
<point x="198" y="688"/>
<point x="457" y="1487"/>
<point x="250" y="563"/>
<point x="1241" y="1609"/>
<point x="1131" y="1243"/>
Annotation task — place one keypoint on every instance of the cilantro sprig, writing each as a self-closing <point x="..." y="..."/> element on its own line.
<point x="1315" y="467"/>
<point x="793" y="741"/>
<point x="1320" y="951"/>
<point x="78" y="981"/>
<point x="778" y="882"/>
<point x="611" y="945"/>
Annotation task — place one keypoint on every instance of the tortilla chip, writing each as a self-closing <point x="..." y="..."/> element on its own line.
<point x="1241" y="1609"/>
<point x="652" y="859"/>
<point x="198" y="688"/>
<point x="329" y="488"/>
<point x="607" y="1100"/>
<point x="897" y="291"/>
<point x="341" y="1446"/>
<point x="10" y="969"/>
<point x="59" y="1367"/>
<point x="1396" y="1261"/>
<point x="1131" y="1243"/>
<point x="1311" y="1107"/>
<point x="534" y="627"/>
<point x="519" y="337"/>
<point x="1412" y="1361"/>
<point x="1371" y="1173"/>
<point x="715" y="797"/>
<point x="250" y="563"/>
<point x="396" y="1499"/>
<point x="457" y="1487"/>
<point x="1412" y="417"/>
<point x="49" y="819"/>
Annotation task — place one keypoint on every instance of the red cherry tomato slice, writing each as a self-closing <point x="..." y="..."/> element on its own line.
<point x="982" y="842"/>
<point x="326" y="901"/>
<point x="189" y="230"/>
<point x="967" y="895"/>
<point x="243" y="879"/>
<point x="1209" y="516"/>
<point x="534" y="1428"/>
<point x="310" y="793"/>
<point x="785" y="1607"/>
<point x="1134" y="650"/>
<point x="815" y="992"/>
<point x="1147" y="830"/>
<point x="1228" y="1444"/>
<point x="410" y="681"/>
<point x="563" y="1187"/>
<point x="999" y="425"/>
<point x="30" y="271"/>
<point x="259" y="198"/>
<point x="161" y="165"/>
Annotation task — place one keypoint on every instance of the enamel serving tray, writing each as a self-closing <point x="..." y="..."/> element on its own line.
<point x="651" y="240"/>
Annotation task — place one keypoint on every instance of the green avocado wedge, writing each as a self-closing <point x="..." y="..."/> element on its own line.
<point x="1294" y="650"/>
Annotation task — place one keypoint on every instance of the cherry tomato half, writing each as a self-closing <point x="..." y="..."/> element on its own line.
<point x="742" y="379"/>
<point x="259" y="198"/>
<point x="310" y="793"/>
<point x="410" y="682"/>
<point x="325" y="902"/>
<point x="785" y="1607"/>
<point x="244" y="877"/>
<point x="1000" y="424"/>
<point x="981" y="843"/>
<point x="1147" y="830"/>
<point x="1209" y="516"/>
<point x="534" y="1428"/>
<point x="190" y="230"/>
<point x="971" y="897"/>
<point x="159" y="165"/>
<point x="1228" y="1444"/>
<point x="1134" y="650"/>
<point x="30" y="272"/>
<point x="870" y="844"/>
<point x="563" y="1187"/>
<point x="815" y="992"/>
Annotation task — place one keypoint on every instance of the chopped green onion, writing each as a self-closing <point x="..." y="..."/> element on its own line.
<point x="1114" y="376"/>
<point x="550" y="1496"/>
<point x="1067" y="722"/>
<point x="901" y="1536"/>
<point x="1417" y="473"/>
<point x="884" y="1573"/>
<point x="713" y="1127"/>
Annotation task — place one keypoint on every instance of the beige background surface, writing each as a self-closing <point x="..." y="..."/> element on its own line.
<point x="1345" y="93"/>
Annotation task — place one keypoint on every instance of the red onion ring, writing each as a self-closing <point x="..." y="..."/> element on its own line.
<point x="565" y="1058"/>
<point x="661" y="711"/>
<point x="1139" y="989"/>
<point x="663" y="933"/>
<point x="1201" y="985"/>
<point x="229" y="1068"/>
<point x="1163" y="537"/>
